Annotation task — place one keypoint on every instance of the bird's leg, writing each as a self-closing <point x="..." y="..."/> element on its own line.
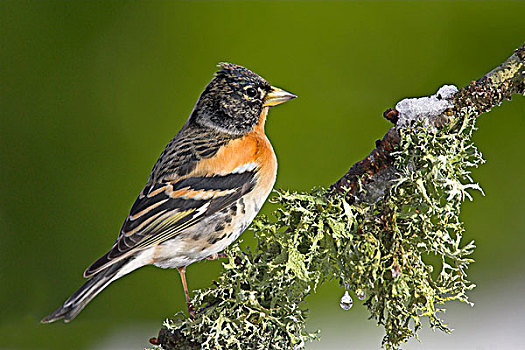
<point x="217" y="256"/>
<point x="182" y="272"/>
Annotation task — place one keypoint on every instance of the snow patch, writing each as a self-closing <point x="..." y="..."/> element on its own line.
<point x="424" y="108"/>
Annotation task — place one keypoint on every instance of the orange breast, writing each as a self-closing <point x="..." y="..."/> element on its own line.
<point x="252" y="148"/>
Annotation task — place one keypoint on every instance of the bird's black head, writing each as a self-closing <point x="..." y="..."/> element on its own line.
<point x="234" y="99"/>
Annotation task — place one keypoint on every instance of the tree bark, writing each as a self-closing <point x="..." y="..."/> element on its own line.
<point x="368" y="179"/>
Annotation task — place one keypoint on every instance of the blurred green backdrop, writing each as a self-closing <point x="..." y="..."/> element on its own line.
<point x="91" y="91"/>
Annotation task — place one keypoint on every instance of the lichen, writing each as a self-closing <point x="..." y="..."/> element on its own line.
<point x="404" y="253"/>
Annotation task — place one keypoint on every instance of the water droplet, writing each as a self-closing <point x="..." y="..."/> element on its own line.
<point x="360" y="294"/>
<point x="346" y="301"/>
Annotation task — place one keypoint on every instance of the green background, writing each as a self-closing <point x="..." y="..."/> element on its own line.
<point x="91" y="92"/>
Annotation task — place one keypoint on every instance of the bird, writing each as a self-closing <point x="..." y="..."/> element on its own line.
<point x="204" y="190"/>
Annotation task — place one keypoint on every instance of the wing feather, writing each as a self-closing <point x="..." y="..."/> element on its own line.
<point x="164" y="210"/>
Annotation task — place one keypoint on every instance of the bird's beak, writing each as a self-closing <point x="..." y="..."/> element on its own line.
<point x="277" y="96"/>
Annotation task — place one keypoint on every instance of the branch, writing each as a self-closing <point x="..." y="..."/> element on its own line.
<point x="372" y="230"/>
<point x="368" y="179"/>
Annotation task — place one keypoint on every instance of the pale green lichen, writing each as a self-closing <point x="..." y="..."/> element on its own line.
<point x="405" y="252"/>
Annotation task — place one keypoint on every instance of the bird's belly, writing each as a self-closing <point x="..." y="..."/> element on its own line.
<point x="210" y="236"/>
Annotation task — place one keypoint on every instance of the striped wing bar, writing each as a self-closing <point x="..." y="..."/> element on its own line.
<point x="163" y="210"/>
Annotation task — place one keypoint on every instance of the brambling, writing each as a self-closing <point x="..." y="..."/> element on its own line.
<point x="205" y="189"/>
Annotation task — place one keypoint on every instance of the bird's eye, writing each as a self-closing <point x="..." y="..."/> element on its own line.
<point x="251" y="92"/>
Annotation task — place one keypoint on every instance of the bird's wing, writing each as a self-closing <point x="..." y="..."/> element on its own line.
<point x="176" y="199"/>
<point x="164" y="210"/>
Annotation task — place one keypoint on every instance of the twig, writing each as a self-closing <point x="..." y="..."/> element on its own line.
<point x="368" y="179"/>
<point x="372" y="242"/>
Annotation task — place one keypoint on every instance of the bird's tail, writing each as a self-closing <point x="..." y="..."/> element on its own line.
<point x="86" y="293"/>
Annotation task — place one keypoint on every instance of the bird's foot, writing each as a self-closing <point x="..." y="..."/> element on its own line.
<point x="191" y="311"/>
